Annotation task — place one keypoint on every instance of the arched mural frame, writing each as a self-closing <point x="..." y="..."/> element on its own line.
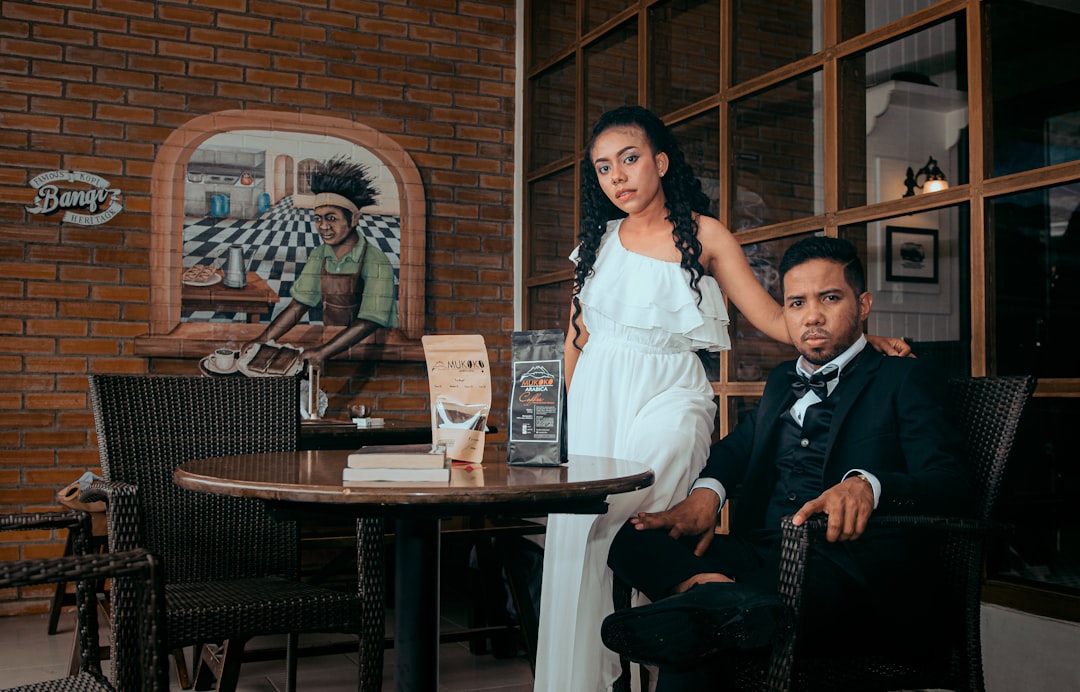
<point x="170" y="336"/>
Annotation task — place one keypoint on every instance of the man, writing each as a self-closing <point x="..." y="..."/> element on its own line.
<point x="841" y="431"/>
<point x="349" y="276"/>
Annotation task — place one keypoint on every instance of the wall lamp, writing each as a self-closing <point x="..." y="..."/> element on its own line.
<point x="933" y="179"/>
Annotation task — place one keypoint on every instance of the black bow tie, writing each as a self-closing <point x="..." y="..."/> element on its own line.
<point x="817" y="383"/>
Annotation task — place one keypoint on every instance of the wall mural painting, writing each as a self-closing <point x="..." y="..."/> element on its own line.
<point x="289" y="234"/>
<point x="248" y="209"/>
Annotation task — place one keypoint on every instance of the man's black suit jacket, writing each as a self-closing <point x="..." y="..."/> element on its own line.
<point x="889" y="420"/>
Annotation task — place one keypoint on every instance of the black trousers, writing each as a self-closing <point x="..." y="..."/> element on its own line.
<point x="843" y="602"/>
<point x="654" y="563"/>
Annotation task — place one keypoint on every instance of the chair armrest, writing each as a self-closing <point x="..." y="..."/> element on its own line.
<point x="795" y="541"/>
<point x="795" y="544"/>
<point x="121" y="513"/>
<point x="137" y="602"/>
<point x="76" y="521"/>
<point x="139" y="657"/>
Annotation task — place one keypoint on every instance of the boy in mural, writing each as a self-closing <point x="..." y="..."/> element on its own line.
<point x="349" y="276"/>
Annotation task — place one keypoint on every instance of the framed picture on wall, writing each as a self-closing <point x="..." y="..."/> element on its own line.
<point x="911" y="255"/>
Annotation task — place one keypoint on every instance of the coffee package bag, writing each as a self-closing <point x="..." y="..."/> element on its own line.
<point x="459" y="379"/>
<point x="536" y="426"/>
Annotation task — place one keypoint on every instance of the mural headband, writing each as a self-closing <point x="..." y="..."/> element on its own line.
<point x="334" y="199"/>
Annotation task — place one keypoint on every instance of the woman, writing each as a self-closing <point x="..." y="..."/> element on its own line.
<point x="651" y="271"/>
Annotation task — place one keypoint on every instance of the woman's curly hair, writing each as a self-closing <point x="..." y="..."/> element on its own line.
<point x="346" y="178"/>
<point x="682" y="191"/>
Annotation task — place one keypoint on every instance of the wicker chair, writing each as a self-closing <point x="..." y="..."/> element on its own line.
<point x="137" y="651"/>
<point x="988" y="412"/>
<point x="231" y="570"/>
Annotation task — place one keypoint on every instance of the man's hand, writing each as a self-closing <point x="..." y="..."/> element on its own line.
<point x="849" y="505"/>
<point x="694" y="516"/>
<point x="314" y="357"/>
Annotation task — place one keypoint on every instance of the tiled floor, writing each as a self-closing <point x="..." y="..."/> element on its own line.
<point x="28" y="654"/>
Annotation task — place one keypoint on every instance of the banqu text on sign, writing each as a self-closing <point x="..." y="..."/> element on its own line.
<point x="99" y="201"/>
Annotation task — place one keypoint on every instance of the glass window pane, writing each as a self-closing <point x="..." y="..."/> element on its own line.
<point x="552" y="100"/>
<point x="550" y="29"/>
<point x="1039" y="501"/>
<point x="552" y="235"/>
<point x="905" y="104"/>
<point x="699" y="139"/>
<point x="860" y="16"/>
<point x="917" y="269"/>
<point x="1036" y="110"/>
<point x="778" y="164"/>
<point x="1036" y="274"/>
<point x="770" y="35"/>
<point x="753" y="354"/>
<point x="599" y="11"/>
<point x="740" y="406"/>
<point x="684" y="50"/>
<point x="549" y="306"/>
<point x="611" y="74"/>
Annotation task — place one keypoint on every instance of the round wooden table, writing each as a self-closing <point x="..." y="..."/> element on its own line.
<point x="308" y="483"/>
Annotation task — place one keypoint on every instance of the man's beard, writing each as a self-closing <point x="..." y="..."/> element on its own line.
<point x="821" y="356"/>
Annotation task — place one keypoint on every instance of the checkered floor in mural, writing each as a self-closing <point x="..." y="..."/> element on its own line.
<point x="276" y="246"/>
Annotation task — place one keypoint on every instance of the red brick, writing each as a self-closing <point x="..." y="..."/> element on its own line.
<point x="32" y="49"/>
<point x="128" y="42"/>
<point x="20" y="121"/>
<point x="125" y="78"/>
<point x="55" y="401"/>
<point x="270" y="78"/>
<point x="273" y="44"/>
<point x="88" y="310"/>
<point x="185" y="15"/>
<point x="33" y="12"/>
<point x="54" y="364"/>
<point x="345" y="21"/>
<point x="304" y="32"/>
<point x="242" y="57"/>
<point x="96" y="20"/>
<point x="96" y="347"/>
<point x="243" y="23"/>
<point x="276" y="10"/>
<point x="59" y="328"/>
<point x="132" y="7"/>
<point x="30" y="85"/>
<point x="185" y="50"/>
<point x="53" y="439"/>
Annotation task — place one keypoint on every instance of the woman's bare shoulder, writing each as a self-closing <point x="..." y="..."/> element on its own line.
<point x="715" y="238"/>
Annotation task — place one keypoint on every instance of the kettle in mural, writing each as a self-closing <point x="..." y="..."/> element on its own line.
<point x="235" y="268"/>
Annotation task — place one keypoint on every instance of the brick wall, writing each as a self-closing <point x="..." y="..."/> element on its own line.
<point x="98" y="86"/>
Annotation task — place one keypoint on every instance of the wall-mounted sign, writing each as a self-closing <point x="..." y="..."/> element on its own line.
<point x="100" y="201"/>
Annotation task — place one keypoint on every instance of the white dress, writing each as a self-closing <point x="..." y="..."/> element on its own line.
<point x="638" y="392"/>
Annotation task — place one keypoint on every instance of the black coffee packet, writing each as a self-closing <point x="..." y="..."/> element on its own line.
<point x="536" y="428"/>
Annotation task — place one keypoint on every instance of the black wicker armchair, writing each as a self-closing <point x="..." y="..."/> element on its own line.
<point x="988" y="412"/>
<point x="231" y="570"/>
<point x="137" y="640"/>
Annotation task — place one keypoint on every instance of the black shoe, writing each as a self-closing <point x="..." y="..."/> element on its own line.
<point x="691" y="626"/>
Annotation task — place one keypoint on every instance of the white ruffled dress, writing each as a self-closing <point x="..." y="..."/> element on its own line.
<point x="639" y="392"/>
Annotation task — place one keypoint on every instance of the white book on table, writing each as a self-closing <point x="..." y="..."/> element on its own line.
<point x="398" y="475"/>
<point x="416" y="456"/>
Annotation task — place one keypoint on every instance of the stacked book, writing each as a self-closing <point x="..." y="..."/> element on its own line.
<point x="375" y="465"/>
<point x="369" y="422"/>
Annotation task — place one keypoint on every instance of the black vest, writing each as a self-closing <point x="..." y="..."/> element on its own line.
<point x="800" y="460"/>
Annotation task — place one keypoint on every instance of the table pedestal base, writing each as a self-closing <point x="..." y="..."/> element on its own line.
<point x="416" y="604"/>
